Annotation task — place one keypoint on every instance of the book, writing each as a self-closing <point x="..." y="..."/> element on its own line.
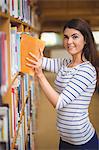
<point x="4" y="127"/>
<point x="28" y="44"/>
<point x="0" y="66"/>
<point x="3" y="64"/>
<point x="14" y="51"/>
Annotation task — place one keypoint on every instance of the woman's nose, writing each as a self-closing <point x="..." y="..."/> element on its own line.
<point x="70" y="40"/>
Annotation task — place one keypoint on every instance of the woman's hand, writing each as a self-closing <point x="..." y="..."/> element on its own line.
<point x="35" y="64"/>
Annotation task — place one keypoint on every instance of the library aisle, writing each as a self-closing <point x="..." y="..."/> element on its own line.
<point x="46" y="136"/>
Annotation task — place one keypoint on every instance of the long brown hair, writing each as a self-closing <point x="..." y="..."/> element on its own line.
<point x="89" y="50"/>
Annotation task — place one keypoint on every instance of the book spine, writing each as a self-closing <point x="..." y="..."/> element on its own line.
<point x="0" y="64"/>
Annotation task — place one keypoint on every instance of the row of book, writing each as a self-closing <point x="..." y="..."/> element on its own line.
<point x="4" y="6"/>
<point x="23" y="116"/>
<point x="24" y="141"/>
<point x="17" y="8"/>
<point x="23" y="109"/>
<point x="21" y="45"/>
<point x="24" y="112"/>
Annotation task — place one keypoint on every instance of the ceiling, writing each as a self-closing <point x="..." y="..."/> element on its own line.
<point x="54" y="13"/>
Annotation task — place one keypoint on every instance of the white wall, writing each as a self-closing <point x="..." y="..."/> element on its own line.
<point x="62" y="53"/>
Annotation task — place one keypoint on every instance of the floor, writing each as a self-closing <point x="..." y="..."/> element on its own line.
<point x="46" y="137"/>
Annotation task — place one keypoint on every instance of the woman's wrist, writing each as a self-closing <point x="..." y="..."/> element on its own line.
<point x="40" y="75"/>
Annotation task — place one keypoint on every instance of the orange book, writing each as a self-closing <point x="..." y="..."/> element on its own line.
<point x="28" y="44"/>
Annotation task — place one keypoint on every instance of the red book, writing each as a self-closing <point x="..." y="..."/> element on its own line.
<point x="4" y="63"/>
<point x="14" y="111"/>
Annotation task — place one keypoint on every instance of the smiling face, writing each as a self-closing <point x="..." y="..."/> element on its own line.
<point x="73" y="41"/>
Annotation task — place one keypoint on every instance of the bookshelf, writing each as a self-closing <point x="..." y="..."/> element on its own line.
<point x="19" y="91"/>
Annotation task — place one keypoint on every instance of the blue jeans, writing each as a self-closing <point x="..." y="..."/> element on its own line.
<point x="91" y="145"/>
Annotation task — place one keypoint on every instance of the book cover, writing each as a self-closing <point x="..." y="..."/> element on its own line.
<point x="31" y="44"/>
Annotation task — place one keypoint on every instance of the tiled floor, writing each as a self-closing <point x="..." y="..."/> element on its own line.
<point x="46" y="135"/>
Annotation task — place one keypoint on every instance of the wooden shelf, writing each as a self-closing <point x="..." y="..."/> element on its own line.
<point x="4" y="15"/>
<point x="16" y="83"/>
<point x="17" y="21"/>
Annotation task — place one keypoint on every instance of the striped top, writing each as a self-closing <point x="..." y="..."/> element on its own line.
<point x="75" y="87"/>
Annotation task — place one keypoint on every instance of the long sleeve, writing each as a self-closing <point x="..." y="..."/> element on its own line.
<point x="53" y="64"/>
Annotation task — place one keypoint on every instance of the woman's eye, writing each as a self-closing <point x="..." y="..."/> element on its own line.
<point x="75" y="37"/>
<point x="65" y="37"/>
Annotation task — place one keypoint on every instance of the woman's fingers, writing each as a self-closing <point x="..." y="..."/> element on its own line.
<point x="32" y="64"/>
<point x="33" y="56"/>
<point x="41" y="53"/>
<point x="32" y="67"/>
<point x="29" y="65"/>
<point x="30" y="61"/>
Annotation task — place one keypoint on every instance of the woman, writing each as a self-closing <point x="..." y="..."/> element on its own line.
<point x="75" y="84"/>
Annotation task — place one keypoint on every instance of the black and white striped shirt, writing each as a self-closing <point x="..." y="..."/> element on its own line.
<point x="75" y="87"/>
